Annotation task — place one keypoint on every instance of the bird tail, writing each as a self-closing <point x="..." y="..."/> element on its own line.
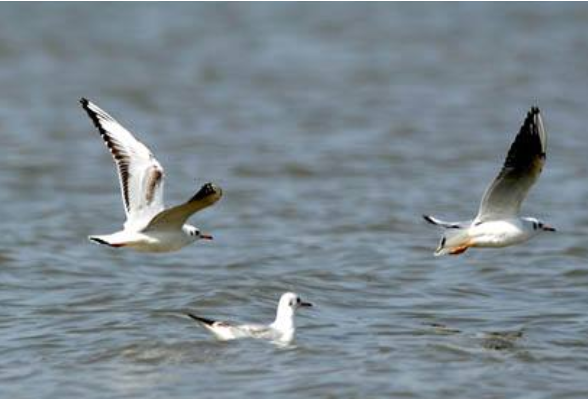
<point x="454" y="241"/>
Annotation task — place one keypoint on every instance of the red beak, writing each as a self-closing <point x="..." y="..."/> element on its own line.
<point x="205" y="236"/>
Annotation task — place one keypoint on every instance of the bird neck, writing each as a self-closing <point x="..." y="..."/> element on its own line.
<point x="284" y="320"/>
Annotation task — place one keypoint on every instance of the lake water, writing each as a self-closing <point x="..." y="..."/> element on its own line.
<point x="331" y="128"/>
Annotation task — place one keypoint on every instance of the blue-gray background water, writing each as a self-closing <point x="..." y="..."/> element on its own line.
<point x="331" y="129"/>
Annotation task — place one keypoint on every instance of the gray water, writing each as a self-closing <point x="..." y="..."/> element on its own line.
<point x="331" y="129"/>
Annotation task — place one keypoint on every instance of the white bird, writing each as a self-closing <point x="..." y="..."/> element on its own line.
<point x="150" y="227"/>
<point x="280" y="331"/>
<point x="498" y="223"/>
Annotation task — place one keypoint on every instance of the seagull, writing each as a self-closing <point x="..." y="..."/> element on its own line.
<point x="280" y="331"/>
<point x="498" y="223"/>
<point x="150" y="227"/>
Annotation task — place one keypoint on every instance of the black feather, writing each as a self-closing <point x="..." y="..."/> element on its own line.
<point x="200" y="319"/>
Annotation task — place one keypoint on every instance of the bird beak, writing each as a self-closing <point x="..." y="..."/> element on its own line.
<point x="205" y="236"/>
<point x="305" y="304"/>
<point x="549" y="228"/>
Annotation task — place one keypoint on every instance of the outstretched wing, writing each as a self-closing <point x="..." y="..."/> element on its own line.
<point x="173" y="218"/>
<point x="523" y="165"/>
<point x="140" y="174"/>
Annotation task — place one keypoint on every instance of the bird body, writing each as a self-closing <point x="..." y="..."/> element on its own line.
<point x="282" y="330"/>
<point x="153" y="242"/>
<point x="502" y="233"/>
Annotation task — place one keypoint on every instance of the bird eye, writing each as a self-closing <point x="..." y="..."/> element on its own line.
<point x="540" y="224"/>
<point x="298" y="300"/>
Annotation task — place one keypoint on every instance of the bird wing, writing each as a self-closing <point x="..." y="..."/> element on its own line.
<point x="523" y="165"/>
<point x="140" y="174"/>
<point x="174" y="217"/>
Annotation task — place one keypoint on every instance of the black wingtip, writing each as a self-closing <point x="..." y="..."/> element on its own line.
<point x="85" y="104"/>
<point x="200" y="319"/>
<point x="98" y="240"/>
<point x="531" y="118"/>
<point x="429" y="219"/>
<point x="93" y="116"/>
<point x="531" y="114"/>
<point x="529" y="143"/>
<point x="206" y="190"/>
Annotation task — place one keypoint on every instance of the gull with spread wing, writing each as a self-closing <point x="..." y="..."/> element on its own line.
<point x="150" y="227"/>
<point x="498" y="223"/>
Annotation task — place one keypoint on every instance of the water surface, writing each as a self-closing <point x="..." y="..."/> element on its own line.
<point x="331" y="129"/>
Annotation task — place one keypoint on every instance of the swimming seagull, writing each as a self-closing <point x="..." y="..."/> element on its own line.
<point x="280" y="331"/>
<point x="150" y="227"/>
<point x="498" y="223"/>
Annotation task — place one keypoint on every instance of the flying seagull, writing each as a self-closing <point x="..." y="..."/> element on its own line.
<point x="150" y="227"/>
<point x="280" y="331"/>
<point x="498" y="223"/>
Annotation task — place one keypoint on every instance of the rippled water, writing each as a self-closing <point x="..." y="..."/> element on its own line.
<point x="331" y="129"/>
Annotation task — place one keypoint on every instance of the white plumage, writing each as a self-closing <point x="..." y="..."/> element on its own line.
<point x="282" y="330"/>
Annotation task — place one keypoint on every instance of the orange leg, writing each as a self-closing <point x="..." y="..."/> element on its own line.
<point x="459" y="250"/>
